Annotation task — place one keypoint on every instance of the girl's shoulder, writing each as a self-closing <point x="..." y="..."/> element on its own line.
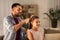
<point x="30" y="30"/>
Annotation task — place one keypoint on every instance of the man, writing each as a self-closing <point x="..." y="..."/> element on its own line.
<point x="13" y="23"/>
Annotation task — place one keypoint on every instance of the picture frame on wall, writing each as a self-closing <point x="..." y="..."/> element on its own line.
<point x="30" y="9"/>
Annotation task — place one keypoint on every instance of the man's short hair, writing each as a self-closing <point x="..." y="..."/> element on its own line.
<point x="16" y="4"/>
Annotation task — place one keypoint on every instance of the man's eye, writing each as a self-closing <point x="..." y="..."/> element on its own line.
<point x="38" y="22"/>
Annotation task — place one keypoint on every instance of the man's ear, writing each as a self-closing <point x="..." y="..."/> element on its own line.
<point x="13" y="8"/>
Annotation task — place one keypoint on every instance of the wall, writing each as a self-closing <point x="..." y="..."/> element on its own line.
<point x="43" y="6"/>
<point x="1" y="13"/>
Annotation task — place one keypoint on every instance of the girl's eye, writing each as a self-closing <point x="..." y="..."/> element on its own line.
<point x="37" y="21"/>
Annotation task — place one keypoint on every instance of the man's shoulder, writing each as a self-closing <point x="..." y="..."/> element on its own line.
<point x="8" y="17"/>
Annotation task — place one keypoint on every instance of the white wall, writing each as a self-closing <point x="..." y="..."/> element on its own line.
<point x="43" y="6"/>
<point x="1" y="13"/>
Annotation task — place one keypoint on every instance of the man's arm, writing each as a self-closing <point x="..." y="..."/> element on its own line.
<point x="19" y="25"/>
<point x="7" y="23"/>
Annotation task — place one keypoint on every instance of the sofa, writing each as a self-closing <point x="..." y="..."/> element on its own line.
<point x="52" y="34"/>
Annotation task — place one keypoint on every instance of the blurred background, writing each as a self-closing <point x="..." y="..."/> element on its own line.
<point x="35" y="7"/>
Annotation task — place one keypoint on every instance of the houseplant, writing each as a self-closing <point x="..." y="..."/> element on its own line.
<point x="54" y="16"/>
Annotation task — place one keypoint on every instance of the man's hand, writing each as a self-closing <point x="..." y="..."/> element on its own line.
<point x="27" y="20"/>
<point x="18" y="26"/>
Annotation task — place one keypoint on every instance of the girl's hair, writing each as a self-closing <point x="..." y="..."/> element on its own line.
<point x="31" y="19"/>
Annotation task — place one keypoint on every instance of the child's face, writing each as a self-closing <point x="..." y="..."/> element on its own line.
<point x="36" y="23"/>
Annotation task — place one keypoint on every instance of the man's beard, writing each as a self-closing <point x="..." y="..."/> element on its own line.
<point x="18" y="15"/>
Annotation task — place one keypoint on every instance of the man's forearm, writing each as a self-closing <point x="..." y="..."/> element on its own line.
<point x="19" y="25"/>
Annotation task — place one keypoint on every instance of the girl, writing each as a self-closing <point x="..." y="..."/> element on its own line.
<point x="35" y="32"/>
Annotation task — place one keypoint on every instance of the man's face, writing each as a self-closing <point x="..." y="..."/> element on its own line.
<point x="17" y="10"/>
